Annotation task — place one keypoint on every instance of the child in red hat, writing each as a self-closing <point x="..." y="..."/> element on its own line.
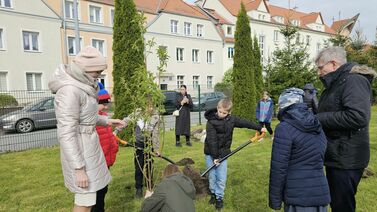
<point x="107" y="140"/>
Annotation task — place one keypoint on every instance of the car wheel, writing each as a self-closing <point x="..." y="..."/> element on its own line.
<point x="24" y="126"/>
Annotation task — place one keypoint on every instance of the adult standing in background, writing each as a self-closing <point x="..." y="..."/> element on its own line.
<point x="344" y="113"/>
<point x="76" y="108"/>
<point x="310" y="98"/>
<point x="182" y="122"/>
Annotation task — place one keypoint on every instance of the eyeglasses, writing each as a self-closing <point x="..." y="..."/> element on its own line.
<point x="321" y="67"/>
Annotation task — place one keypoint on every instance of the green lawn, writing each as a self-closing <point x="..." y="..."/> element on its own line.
<point x="32" y="180"/>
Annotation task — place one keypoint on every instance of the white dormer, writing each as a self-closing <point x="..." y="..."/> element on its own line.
<point x="228" y="30"/>
<point x="279" y="19"/>
<point x="261" y="13"/>
<point x="295" y="22"/>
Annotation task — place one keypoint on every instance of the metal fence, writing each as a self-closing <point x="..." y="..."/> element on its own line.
<point x="27" y="118"/>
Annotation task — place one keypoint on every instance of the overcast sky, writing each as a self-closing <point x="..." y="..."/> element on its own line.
<point x="330" y="9"/>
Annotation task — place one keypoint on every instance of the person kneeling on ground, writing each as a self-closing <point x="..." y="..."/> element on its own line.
<point x="176" y="192"/>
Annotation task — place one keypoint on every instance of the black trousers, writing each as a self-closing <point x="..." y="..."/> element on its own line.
<point x="268" y="126"/>
<point x="343" y="187"/>
<point x="100" y="200"/>
<point x="139" y="161"/>
<point x="178" y="138"/>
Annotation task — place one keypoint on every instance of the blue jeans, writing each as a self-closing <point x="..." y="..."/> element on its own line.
<point x="217" y="177"/>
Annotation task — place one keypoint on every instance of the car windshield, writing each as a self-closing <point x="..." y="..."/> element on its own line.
<point x="34" y="104"/>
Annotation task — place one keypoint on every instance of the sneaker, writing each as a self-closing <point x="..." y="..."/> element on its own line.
<point x="212" y="201"/>
<point x="139" y="193"/>
<point x="188" y="143"/>
<point x="219" y="204"/>
<point x="178" y="144"/>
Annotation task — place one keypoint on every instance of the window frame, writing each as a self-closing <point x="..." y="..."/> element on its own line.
<point x="211" y="53"/>
<point x="104" y="53"/>
<point x="6" y="73"/>
<point x="34" y="82"/>
<point x="74" y="44"/>
<point x="3" y="46"/>
<point x="2" y="4"/>
<point x="201" y="30"/>
<point x="100" y="14"/>
<point x="182" y="54"/>
<point x="180" y="81"/>
<point x="31" y="39"/>
<point x="209" y="85"/>
<point x="187" y="31"/>
<point x="174" y="26"/>
<point x="230" y="53"/>
<point x="197" y="52"/>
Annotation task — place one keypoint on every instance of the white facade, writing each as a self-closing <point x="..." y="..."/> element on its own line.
<point x="31" y="46"/>
<point x="201" y="62"/>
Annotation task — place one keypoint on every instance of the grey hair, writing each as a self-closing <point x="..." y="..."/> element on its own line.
<point x="335" y="53"/>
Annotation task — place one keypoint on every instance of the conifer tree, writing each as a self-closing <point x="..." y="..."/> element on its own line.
<point x="243" y="73"/>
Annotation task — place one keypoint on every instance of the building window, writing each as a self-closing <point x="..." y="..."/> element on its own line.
<point x="279" y="19"/>
<point x="308" y="40"/>
<point x="112" y="12"/>
<point x="180" y="52"/>
<point x="3" y="81"/>
<point x="72" y="45"/>
<point x="100" y="45"/>
<point x="261" y="47"/>
<point x="318" y="47"/>
<point x="229" y="30"/>
<point x="173" y="26"/>
<point x="187" y="28"/>
<point x="298" y="38"/>
<point x="230" y="52"/>
<point x="209" y="81"/>
<point x="195" y="56"/>
<point x="261" y="17"/>
<point x="295" y="22"/>
<point x="95" y="14"/>
<point x="199" y="30"/>
<point x="102" y="79"/>
<point x="180" y="80"/>
<point x="276" y="35"/>
<point x="34" y="81"/>
<point x="68" y="9"/>
<point x="195" y="82"/>
<point x="6" y="3"/>
<point x="209" y="56"/>
<point x="30" y="41"/>
<point x="2" y="46"/>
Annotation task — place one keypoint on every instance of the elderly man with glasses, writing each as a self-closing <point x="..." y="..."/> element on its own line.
<point x="344" y="113"/>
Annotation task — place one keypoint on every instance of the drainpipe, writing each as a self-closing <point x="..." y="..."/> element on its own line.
<point x="77" y="30"/>
<point x="65" y="50"/>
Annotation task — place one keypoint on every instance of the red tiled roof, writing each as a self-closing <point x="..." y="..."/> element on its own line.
<point x="338" y="25"/>
<point x="217" y="16"/>
<point x="180" y="7"/>
<point x="233" y="6"/>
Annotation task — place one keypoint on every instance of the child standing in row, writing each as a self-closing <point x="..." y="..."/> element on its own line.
<point x="107" y="141"/>
<point x="220" y="127"/>
<point x="264" y="111"/>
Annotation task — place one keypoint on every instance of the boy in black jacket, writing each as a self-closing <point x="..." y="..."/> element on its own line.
<point x="220" y="127"/>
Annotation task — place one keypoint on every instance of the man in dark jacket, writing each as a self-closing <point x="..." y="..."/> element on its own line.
<point x="296" y="175"/>
<point x="220" y="127"/>
<point x="344" y="113"/>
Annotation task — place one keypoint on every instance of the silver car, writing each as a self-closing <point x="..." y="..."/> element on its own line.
<point x="36" y="115"/>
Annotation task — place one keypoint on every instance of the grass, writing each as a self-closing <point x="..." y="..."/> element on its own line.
<point x="32" y="180"/>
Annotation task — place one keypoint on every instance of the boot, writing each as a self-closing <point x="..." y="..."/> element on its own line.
<point x="139" y="193"/>
<point x="219" y="204"/>
<point x="212" y="201"/>
<point x="178" y="144"/>
<point x="188" y="143"/>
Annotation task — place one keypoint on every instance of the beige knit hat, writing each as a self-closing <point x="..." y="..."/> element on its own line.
<point x="90" y="59"/>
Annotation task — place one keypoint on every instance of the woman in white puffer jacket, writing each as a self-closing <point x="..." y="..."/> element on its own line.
<point x="83" y="163"/>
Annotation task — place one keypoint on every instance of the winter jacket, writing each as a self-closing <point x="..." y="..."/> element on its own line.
<point x="310" y="98"/>
<point x="220" y="133"/>
<point x="108" y="143"/>
<point x="183" y="122"/>
<point x="296" y="173"/>
<point x="150" y="127"/>
<point x="76" y="110"/>
<point x="344" y="113"/>
<point x="265" y="110"/>
<point x="175" y="193"/>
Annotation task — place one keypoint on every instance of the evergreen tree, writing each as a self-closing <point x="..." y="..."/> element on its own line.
<point x="290" y="66"/>
<point x="128" y="53"/>
<point x="243" y="73"/>
<point x="259" y="87"/>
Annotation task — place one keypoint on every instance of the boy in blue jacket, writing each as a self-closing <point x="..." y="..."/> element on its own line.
<point x="220" y="127"/>
<point x="296" y="175"/>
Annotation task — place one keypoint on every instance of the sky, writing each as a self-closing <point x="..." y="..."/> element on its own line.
<point x="330" y="9"/>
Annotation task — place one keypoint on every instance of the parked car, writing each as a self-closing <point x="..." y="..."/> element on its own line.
<point x="169" y="102"/>
<point x="39" y="114"/>
<point x="207" y="100"/>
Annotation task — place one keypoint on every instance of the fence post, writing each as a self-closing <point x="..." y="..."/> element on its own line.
<point x="200" y="107"/>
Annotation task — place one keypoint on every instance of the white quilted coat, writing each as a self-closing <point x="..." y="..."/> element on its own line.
<point x="76" y="113"/>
